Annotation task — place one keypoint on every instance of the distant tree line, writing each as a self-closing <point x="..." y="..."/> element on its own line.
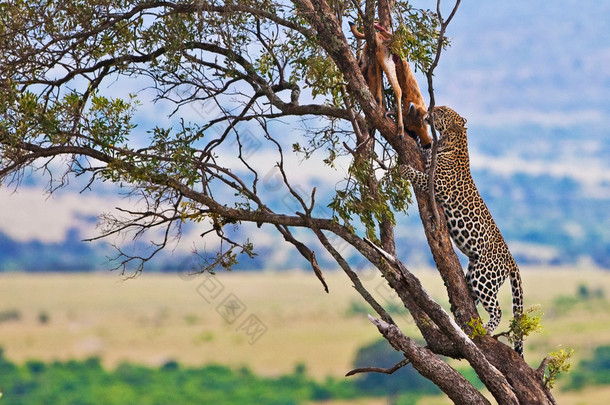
<point x="88" y="382"/>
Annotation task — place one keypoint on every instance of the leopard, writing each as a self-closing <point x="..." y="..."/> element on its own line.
<point x="468" y="219"/>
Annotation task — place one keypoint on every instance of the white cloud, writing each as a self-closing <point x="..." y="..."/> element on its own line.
<point x="30" y="213"/>
<point x="593" y="175"/>
<point x="547" y="119"/>
<point x="537" y="252"/>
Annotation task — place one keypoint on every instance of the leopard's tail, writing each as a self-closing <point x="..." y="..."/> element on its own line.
<point x="517" y="293"/>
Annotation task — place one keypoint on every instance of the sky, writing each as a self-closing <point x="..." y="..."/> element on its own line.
<point x="510" y="63"/>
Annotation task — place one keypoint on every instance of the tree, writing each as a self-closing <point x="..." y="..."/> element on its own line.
<point x="257" y="63"/>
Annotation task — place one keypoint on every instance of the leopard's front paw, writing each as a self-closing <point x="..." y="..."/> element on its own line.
<point x="406" y="171"/>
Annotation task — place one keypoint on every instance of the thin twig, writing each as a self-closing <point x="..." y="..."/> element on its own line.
<point x="429" y="75"/>
<point x="307" y="253"/>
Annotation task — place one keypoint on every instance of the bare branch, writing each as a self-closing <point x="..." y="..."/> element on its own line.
<point x="389" y="370"/>
<point x="307" y="253"/>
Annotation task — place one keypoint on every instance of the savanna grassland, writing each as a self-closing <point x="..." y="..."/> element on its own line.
<point x="198" y="320"/>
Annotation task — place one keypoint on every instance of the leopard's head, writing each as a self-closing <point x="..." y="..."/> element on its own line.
<point x="450" y="128"/>
<point x="446" y="120"/>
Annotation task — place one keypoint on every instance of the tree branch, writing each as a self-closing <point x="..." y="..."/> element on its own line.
<point x="390" y="370"/>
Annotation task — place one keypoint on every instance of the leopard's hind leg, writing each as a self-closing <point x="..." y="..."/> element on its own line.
<point x="484" y="289"/>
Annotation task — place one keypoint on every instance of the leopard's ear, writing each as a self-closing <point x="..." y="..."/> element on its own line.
<point x="458" y="125"/>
